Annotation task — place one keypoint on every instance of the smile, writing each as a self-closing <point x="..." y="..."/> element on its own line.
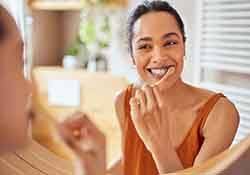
<point x="160" y="71"/>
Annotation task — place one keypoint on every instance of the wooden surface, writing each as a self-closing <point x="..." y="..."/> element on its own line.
<point x="233" y="161"/>
<point x="34" y="160"/>
<point x="97" y="99"/>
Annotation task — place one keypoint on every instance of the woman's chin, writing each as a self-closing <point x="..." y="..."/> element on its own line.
<point x="165" y="84"/>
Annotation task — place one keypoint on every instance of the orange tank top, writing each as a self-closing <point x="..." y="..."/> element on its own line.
<point x="137" y="160"/>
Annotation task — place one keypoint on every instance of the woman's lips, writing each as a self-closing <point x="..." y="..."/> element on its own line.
<point x="159" y="72"/>
<point x="170" y="71"/>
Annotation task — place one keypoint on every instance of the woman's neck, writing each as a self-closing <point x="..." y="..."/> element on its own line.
<point x="178" y="95"/>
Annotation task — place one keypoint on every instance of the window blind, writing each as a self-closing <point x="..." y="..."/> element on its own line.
<point x="223" y="54"/>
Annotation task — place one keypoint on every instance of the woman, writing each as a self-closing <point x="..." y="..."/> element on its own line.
<point x="167" y="124"/>
<point x="14" y="103"/>
<point x="174" y="124"/>
<point x="156" y="124"/>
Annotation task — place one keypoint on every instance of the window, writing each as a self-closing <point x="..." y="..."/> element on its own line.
<point x="223" y="56"/>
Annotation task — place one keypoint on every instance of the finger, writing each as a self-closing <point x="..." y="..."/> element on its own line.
<point x="91" y="127"/>
<point x="159" y="100"/>
<point x="81" y="127"/>
<point x="79" y="146"/>
<point x="134" y="108"/>
<point x="142" y="100"/>
<point x="153" y="106"/>
<point x="139" y="124"/>
<point x="75" y="121"/>
<point x="150" y="98"/>
<point x="168" y="74"/>
<point x="71" y="127"/>
<point x="66" y="135"/>
<point x="158" y="96"/>
<point x="84" y="149"/>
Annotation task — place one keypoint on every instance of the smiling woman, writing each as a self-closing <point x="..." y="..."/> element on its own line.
<point x="167" y="140"/>
<point x="167" y="124"/>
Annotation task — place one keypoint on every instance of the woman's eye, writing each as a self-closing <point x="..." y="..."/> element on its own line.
<point x="144" y="46"/>
<point x="170" y="43"/>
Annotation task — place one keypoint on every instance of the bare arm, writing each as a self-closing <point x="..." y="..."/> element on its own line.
<point x="219" y="131"/>
<point x="166" y="159"/>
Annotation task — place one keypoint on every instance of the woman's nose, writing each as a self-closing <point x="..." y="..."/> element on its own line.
<point x="158" y="55"/>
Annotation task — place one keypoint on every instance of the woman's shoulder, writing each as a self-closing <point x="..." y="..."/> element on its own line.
<point x="202" y="92"/>
<point x="200" y="96"/>
<point x="120" y="103"/>
<point x="120" y="98"/>
<point x="225" y="108"/>
<point x="223" y="104"/>
<point x="223" y="112"/>
<point x="121" y="95"/>
<point x="222" y="120"/>
<point x="205" y="95"/>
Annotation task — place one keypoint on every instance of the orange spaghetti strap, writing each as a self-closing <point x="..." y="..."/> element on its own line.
<point x="127" y="98"/>
<point x="208" y="108"/>
<point x="192" y="143"/>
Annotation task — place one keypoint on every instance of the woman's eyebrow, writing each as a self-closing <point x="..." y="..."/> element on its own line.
<point x="167" y="35"/>
<point x="144" y="39"/>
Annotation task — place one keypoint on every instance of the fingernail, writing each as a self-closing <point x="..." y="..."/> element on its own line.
<point x="76" y="133"/>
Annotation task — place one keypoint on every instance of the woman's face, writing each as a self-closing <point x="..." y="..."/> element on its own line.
<point x="14" y="89"/>
<point x="157" y="46"/>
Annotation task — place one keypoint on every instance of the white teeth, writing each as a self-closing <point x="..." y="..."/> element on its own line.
<point x="159" y="72"/>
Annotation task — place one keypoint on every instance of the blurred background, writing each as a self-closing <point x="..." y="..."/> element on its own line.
<point x="78" y="48"/>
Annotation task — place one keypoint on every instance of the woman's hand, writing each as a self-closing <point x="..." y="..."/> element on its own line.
<point x="87" y="141"/>
<point x="149" y="117"/>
